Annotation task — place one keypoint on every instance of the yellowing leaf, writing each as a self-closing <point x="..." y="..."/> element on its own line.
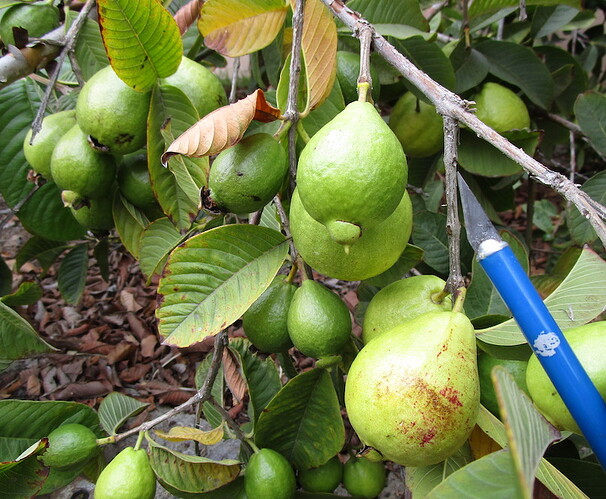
<point x="238" y="27"/>
<point x="142" y="40"/>
<point x="319" y="46"/>
<point x="184" y="433"/>
<point x="222" y="128"/>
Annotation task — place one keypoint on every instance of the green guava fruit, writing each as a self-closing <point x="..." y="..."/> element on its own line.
<point x="500" y="108"/>
<point x="377" y="249"/>
<point x="364" y="478"/>
<point x="128" y="476"/>
<point x="134" y="181"/>
<point x="488" y="396"/>
<point x="265" y="321"/>
<point x="39" y="153"/>
<point x="588" y="342"/>
<point x="269" y="475"/>
<point x="413" y="392"/>
<point x="323" y="478"/>
<point x="201" y="85"/>
<point x="76" y="166"/>
<point x="352" y="174"/>
<point x="92" y="214"/>
<point x="37" y="18"/>
<point x="245" y="177"/>
<point x="69" y="446"/>
<point x="318" y="322"/>
<point x="112" y="113"/>
<point x="348" y="70"/>
<point x="417" y="125"/>
<point x="401" y="301"/>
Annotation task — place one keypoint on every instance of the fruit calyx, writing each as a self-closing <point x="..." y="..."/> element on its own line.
<point x="343" y="232"/>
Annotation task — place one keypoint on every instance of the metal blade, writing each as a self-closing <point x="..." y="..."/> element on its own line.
<point x="479" y="227"/>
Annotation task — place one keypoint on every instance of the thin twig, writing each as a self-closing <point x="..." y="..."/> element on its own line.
<point x="364" y="93"/>
<point x="449" y="104"/>
<point x="453" y="224"/>
<point x="15" y="209"/>
<point x="70" y="40"/>
<point x="285" y="225"/>
<point x="292" y="113"/>
<point x="228" y="419"/>
<point x="203" y="395"/>
<point x="234" y="80"/>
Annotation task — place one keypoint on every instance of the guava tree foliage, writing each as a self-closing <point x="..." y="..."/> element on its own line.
<point x="221" y="249"/>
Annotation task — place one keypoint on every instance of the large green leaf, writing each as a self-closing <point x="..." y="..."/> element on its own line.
<point x="212" y="279"/>
<point x="406" y="12"/>
<point x="43" y="250"/>
<point x="490" y="476"/>
<point x="44" y="215"/>
<point x="72" y="274"/>
<point x="548" y="20"/>
<point x="23" y="422"/>
<point x="17" y="338"/>
<point x="482" y="297"/>
<point x="142" y="40"/>
<point x="520" y="66"/>
<point x="470" y="67"/>
<point x="19" y="103"/>
<point x="303" y="421"/>
<point x="428" y="56"/>
<point x="116" y="408"/>
<point x="177" y="187"/>
<point x="157" y="241"/>
<point x="23" y="478"/>
<point x="577" y="300"/>
<point x="27" y="293"/>
<point x="130" y="223"/>
<point x="421" y="480"/>
<point x="261" y="376"/>
<point x="184" y="473"/>
<point x="590" y="110"/>
<point x="480" y="7"/>
<point x="589" y="477"/>
<point x="529" y="433"/>
<point x="90" y="52"/>
<point x="580" y="229"/>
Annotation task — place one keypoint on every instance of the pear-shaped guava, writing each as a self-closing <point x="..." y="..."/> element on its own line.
<point x="128" y="476"/>
<point x="413" y="393"/>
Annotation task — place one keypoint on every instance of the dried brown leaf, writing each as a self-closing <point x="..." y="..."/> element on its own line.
<point x="83" y="390"/>
<point x="187" y="15"/>
<point x="148" y="346"/>
<point x="120" y="352"/>
<point x="234" y="379"/>
<point x="135" y="373"/>
<point x="222" y="128"/>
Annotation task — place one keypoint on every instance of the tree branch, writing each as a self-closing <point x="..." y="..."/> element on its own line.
<point x="449" y="104"/>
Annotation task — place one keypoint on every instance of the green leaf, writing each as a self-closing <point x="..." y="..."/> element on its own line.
<point x="589" y="477"/>
<point x="90" y="52"/>
<point x="520" y="66"/>
<point x="490" y="476"/>
<point x="72" y="274"/>
<point x="261" y="376"/>
<point x="115" y="409"/>
<point x="471" y="67"/>
<point x="303" y="421"/>
<point x="43" y="250"/>
<point x="101" y="255"/>
<point x="177" y="187"/>
<point x="428" y="56"/>
<point x="321" y="115"/>
<point x="548" y="20"/>
<point x="410" y="257"/>
<point x="190" y="474"/>
<point x="482" y="158"/>
<point x="18" y="339"/>
<point x="130" y="223"/>
<point x="406" y="12"/>
<point x="529" y="433"/>
<point x="23" y="422"/>
<point x="479" y="7"/>
<point x="23" y="478"/>
<point x="590" y="110"/>
<point x="577" y="300"/>
<point x="44" y="215"/>
<point x="210" y="413"/>
<point x="19" y="103"/>
<point x="158" y="239"/>
<point x="482" y="297"/>
<point x="6" y="278"/>
<point x="27" y="293"/>
<point x="421" y="480"/>
<point x="553" y="479"/>
<point x="212" y="279"/>
<point x="142" y="40"/>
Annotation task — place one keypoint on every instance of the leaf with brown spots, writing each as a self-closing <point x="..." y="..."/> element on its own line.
<point x="222" y="128"/>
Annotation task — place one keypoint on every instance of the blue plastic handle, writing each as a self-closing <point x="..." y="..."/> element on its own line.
<point x="550" y="346"/>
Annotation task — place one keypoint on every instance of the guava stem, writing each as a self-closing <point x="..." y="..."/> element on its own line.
<point x="292" y="273"/>
<point x="302" y="132"/>
<point x="459" y="299"/>
<point x="139" y="440"/>
<point x="252" y="445"/>
<point x="438" y="298"/>
<point x="363" y="90"/>
<point x="106" y="440"/>
<point x="282" y="130"/>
